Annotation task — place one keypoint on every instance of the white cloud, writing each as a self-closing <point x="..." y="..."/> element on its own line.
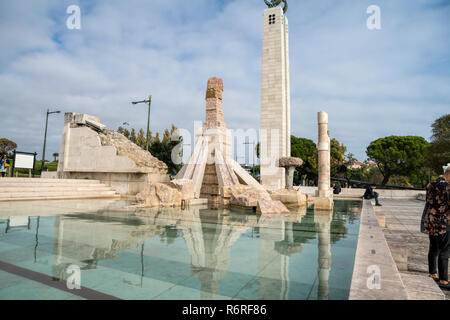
<point x="372" y="83"/>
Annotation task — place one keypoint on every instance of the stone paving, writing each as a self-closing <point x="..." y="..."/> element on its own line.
<point x="400" y="222"/>
<point x="373" y="256"/>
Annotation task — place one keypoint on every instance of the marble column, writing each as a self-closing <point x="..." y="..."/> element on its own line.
<point x="324" y="156"/>
<point x="290" y="178"/>
<point x="324" y="200"/>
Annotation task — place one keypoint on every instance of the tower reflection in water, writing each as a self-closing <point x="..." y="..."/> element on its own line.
<point x="208" y="236"/>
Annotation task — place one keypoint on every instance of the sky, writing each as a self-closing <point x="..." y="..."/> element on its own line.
<point x="372" y="83"/>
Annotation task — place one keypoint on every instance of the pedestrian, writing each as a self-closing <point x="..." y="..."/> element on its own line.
<point x="336" y="188"/>
<point x="435" y="222"/>
<point x="371" y="194"/>
<point x="4" y="165"/>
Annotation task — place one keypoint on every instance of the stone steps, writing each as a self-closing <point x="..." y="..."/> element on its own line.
<point x="50" y="185"/>
<point x="56" y="181"/>
<point x="20" y="189"/>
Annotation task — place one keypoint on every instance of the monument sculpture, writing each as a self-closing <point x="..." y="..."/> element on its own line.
<point x="275" y="128"/>
<point x="324" y="194"/>
<point x="290" y="163"/>
<point x="90" y="151"/>
<point x="215" y="175"/>
<point x="275" y="3"/>
<point x="210" y="165"/>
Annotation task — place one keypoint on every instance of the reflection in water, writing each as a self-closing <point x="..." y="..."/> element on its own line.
<point x="87" y="239"/>
<point x="209" y="237"/>
<point x="276" y="244"/>
<point x="323" y="222"/>
<point x="17" y="222"/>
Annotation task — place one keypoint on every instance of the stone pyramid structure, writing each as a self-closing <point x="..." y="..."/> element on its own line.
<point x="211" y="166"/>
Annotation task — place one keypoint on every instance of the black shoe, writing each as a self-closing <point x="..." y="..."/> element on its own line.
<point x="378" y="205"/>
<point x="436" y="279"/>
<point x="444" y="286"/>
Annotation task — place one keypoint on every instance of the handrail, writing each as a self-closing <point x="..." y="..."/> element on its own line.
<point x="377" y="185"/>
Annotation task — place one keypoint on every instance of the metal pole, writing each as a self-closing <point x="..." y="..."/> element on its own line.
<point x="148" y="122"/>
<point x="45" y="141"/>
<point x="148" y="118"/>
<point x="253" y="154"/>
<point x="253" y="151"/>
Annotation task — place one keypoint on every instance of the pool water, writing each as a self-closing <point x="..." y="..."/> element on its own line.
<point x="48" y="248"/>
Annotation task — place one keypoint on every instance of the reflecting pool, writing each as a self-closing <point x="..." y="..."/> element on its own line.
<point x="197" y="253"/>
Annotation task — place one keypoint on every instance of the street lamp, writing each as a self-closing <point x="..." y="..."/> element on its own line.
<point x="45" y="138"/>
<point x="253" y="149"/>
<point x="149" y="101"/>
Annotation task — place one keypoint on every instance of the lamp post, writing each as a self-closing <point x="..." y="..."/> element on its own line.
<point x="45" y="138"/>
<point x="253" y="153"/>
<point x="149" y="101"/>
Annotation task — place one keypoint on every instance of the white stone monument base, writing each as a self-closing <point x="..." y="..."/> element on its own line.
<point x="321" y="203"/>
<point x="125" y="183"/>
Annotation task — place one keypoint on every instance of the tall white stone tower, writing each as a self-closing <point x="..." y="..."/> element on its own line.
<point x="275" y="129"/>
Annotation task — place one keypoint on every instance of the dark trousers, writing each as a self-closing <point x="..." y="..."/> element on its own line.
<point x="439" y="246"/>
<point x="3" y="174"/>
<point x="376" y="197"/>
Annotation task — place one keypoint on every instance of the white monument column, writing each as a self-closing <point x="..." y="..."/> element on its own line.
<point x="324" y="195"/>
<point x="275" y="129"/>
<point x="324" y="188"/>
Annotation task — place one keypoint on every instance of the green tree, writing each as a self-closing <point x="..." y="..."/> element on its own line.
<point x="438" y="152"/>
<point x="397" y="155"/>
<point x="6" y="146"/>
<point x="257" y="150"/>
<point x="55" y="155"/>
<point x="168" y="151"/>
<point x="133" y="137"/>
<point x="156" y="138"/>
<point x="306" y="150"/>
<point x="337" y="157"/>
<point x="124" y="131"/>
<point x="356" y="174"/>
<point x="141" y="139"/>
<point x="166" y="136"/>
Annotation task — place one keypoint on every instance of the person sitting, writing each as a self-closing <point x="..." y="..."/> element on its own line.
<point x="371" y="194"/>
<point x="336" y="188"/>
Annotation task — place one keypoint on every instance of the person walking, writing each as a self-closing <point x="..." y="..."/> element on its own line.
<point x="435" y="222"/>
<point x="370" y="194"/>
<point x="4" y="164"/>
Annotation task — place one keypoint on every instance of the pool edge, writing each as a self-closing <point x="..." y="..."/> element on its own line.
<point x="373" y="258"/>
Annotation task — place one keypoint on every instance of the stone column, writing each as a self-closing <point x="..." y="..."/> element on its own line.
<point x="214" y="96"/>
<point x="275" y="98"/>
<point x="324" y="195"/>
<point x="324" y="156"/>
<point x="290" y="178"/>
<point x="290" y="163"/>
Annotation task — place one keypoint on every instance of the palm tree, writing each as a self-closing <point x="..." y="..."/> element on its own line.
<point x="55" y="155"/>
